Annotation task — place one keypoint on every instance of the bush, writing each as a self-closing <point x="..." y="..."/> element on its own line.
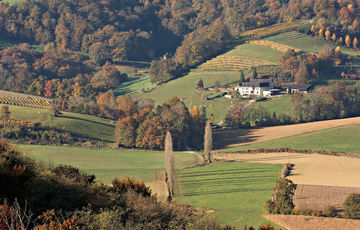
<point x="73" y="174"/>
<point x="129" y="184"/>
<point x="352" y="206"/>
<point x="329" y="211"/>
<point x="282" y="199"/>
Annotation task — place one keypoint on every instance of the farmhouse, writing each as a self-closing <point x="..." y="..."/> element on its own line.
<point x="301" y="88"/>
<point x="256" y="87"/>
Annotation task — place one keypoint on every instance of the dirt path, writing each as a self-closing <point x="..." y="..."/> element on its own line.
<point x="236" y="137"/>
<point x="292" y="222"/>
<point x="311" y="169"/>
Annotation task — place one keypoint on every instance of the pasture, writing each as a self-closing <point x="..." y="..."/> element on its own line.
<point x="306" y="43"/>
<point x="107" y="164"/>
<point x="134" y="84"/>
<point x="314" y="136"/>
<point x="236" y="192"/>
<point x="278" y="105"/>
<point x="77" y="124"/>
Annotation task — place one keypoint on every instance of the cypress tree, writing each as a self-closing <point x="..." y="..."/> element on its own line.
<point x="208" y="141"/>
<point x="169" y="163"/>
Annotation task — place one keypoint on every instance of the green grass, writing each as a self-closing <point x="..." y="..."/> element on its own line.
<point x="134" y="85"/>
<point x="341" y="139"/>
<point x="78" y="124"/>
<point x="255" y="51"/>
<point x="279" y="105"/>
<point x="306" y="43"/>
<point x="107" y="164"/>
<point x="235" y="191"/>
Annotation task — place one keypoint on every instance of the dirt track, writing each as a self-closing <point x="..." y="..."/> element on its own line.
<point x="312" y="169"/>
<point x="292" y="222"/>
<point x="236" y="137"/>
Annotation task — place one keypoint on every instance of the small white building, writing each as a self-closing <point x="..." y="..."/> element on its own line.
<point x="256" y="87"/>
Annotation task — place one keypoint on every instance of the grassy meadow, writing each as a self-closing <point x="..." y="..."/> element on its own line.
<point x="75" y="123"/>
<point x="278" y="105"/>
<point x="107" y="164"/>
<point x="235" y="191"/>
<point x="134" y="85"/>
<point x="255" y="51"/>
<point x="306" y="43"/>
<point x="341" y="139"/>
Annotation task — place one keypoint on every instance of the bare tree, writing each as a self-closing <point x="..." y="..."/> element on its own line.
<point x="169" y="163"/>
<point x="208" y="141"/>
<point x="5" y="115"/>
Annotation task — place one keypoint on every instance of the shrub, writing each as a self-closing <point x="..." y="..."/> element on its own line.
<point x="282" y="199"/>
<point x="74" y="174"/>
<point x="129" y="184"/>
<point x="352" y="206"/>
<point x="329" y="211"/>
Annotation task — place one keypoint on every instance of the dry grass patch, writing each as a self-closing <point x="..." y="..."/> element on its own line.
<point x="274" y="45"/>
<point x="312" y="169"/>
<point x="292" y="222"/>
<point x="316" y="197"/>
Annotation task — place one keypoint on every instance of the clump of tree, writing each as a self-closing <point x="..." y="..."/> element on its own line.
<point x="143" y="126"/>
<point x="352" y="206"/>
<point x="282" y="199"/>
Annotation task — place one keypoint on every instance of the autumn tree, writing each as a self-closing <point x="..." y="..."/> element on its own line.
<point x="169" y="163"/>
<point x="327" y="34"/>
<point x="208" y="141"/>
<point x="333" y="37"/>
<point x="355" y="43"/>
<point x="348" y="41"/>
<point x="302" y="75"/>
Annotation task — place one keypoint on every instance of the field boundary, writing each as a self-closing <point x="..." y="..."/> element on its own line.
<point x="290" y="150"/>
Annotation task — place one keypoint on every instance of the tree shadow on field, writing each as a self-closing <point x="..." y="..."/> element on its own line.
<point x="223" y="172"/>
<point x="289" y="156"/>
<point x="224" y="138"/>
<point x="83" y="119"/>
<point x="225" y="181"/>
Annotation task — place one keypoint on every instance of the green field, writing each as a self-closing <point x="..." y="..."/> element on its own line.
<point x="306" y="43"/>
<point x="134" y="85"/>
<point x="342" y="139"/>
<point x="107" y="164"/>
<point x="235" y="191"/>
<point x="278" y="105"/>
<point x="77" y="124"/>
<point x="255" y="51"/>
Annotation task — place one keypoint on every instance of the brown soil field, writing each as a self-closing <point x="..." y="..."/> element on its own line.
<point x="318" y="196"/>
<point x="311" y="169"/>
<point x="292" y="222"/>
<point x="236" y="137"/>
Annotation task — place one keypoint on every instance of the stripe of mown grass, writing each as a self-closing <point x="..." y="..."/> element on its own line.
<point x="234" y="191"/>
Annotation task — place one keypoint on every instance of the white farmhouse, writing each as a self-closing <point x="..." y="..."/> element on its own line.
<point x="256" y="87"/>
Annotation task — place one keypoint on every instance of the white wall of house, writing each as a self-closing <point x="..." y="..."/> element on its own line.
<point x="257" y="91"/>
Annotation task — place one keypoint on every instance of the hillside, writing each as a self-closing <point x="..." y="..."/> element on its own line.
<point x="107" y="164"/>
<point x="77" y="124"/>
